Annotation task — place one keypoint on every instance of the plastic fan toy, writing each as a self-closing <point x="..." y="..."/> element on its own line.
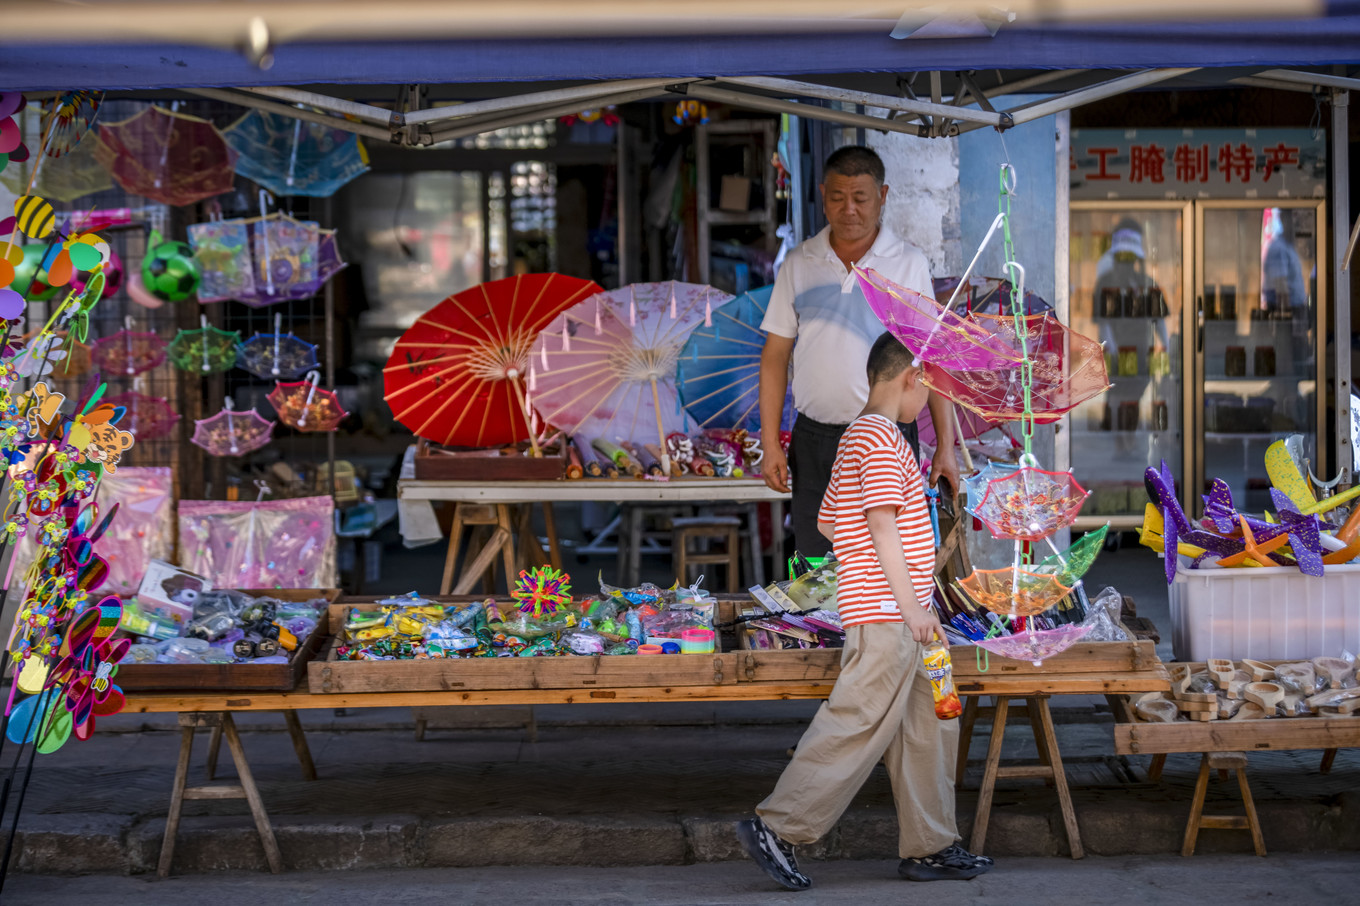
<point x="932" y="333"/>
<point x="305" y="406"/>
<point x="148" y="417"/>
<point x="1036" y="647"/>
<point x="232" y="432"/>
<point x="1030" y="504"/>
<point x="541" y="591"/>
<point x="289" y="157"/>
<point x="128" y="352"/>
<point x="1066" y="369"/>
<point x="167" y="156"/>
<point x="205" y="350"/>
<point x="70" y="118"/>
<point x="1014" y="591"/>
<point x="277" y="355"/>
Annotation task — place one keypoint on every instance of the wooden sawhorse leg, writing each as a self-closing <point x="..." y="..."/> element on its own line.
<point x="1328" y="756"/>
<point x="966" y="722"/>
<point x="189" y="722"/>
<point x="1222" y="761"/>
<point x="1047" y="742"/>
<point x="290" y="718"/>
<point x="502" y="541"/>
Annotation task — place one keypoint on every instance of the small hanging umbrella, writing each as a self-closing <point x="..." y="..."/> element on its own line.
<point x="69" y="119"/>
<point x="167" y="156"/>
<point x="606" y="368"/>
<point x="290" y="157"/>
<point x="1030" y="504"/>
<point x="305" y="406"/>
<point x="718" y="374"/>
<point x="148" y="417"/>
<point x="128" y="351"/>
<point x="456" y="377"/>
<point x="232" y="432"/>
<point x="932" y="333"/>
<point x="1068" y="369"/>
<point x="1070" y="565"/>
<point x="75" y="174"/>
<point x="1014" y="591"/>
<point x="205" y="350"/>
<point x="1036" y="647"/>
<point x="277" y="355"/>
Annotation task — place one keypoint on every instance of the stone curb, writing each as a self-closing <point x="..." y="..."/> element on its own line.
<point x="1110" y="826"/>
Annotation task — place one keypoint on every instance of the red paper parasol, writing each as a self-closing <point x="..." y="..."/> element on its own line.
<point x="232" y="432"/>
<point x="305" y="406"/>
<point x="148" y="417"/>
<point x="1068" y="369"/>
<point x="167" y="156"/>
<point x="1030" y="504"/>
<point x="128" y="352"/>
<point x="455" y="377"/>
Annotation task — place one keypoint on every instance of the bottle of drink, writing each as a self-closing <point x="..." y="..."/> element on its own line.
<point x="947" y="704"/>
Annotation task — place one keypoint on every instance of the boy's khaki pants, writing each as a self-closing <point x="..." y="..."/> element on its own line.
<point x="880" y="708"/>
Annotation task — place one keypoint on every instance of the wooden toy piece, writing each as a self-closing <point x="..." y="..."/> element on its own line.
<point x="1334" y="698"/>
<point x="1290" y="703"/>
<point x="1260" y="672"/>
<point x="1227" y="707"/>
<point x="1154" y="708"/>
<point x="1196" y="696"/>
<point x="1180" y="678"/>
<point x="1301" y="675"/>
<point x="1239" y="679"/>
<point x="1195" y="707"/>
<point x="1249" y="711"/>
<point x="1267" y="695"/>
<point x="1334" y="669"/>
<point x="1222" y="671"/>
<point x="1350" y="706"/>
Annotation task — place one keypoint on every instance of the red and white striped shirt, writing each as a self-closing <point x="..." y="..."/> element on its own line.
<point x="875" y="467"/>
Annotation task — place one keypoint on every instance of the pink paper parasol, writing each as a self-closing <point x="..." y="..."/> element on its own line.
<point x="931" y="333"/>
<point x="1036" y="646"/>
<point x="1030" y="504"/>
<point x="232" y="432"/>
<point x="605" y="368"/>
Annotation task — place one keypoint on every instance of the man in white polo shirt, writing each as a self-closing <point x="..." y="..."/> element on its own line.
<point x="834" y="331"/>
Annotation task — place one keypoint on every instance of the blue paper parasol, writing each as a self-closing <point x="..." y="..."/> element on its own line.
<point x="718" y="373"/>
<point x="290" y="157"/>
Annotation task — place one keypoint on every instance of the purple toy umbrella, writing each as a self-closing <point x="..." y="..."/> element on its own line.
<point x="232" y="432"/>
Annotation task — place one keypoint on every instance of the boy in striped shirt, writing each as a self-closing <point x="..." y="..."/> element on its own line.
<point x="881" y="708"/>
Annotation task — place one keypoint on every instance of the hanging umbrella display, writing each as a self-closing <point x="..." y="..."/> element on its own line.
<point x="606" y="368"/>
<point x="987" y="295"/>
<point x="932" y="333"/>
<point x="277" y="355"/>
<point x="167" y="156"/>
<point x="128" y="352"/>
<point x="290" y="157"/>
<point x="1070" y="565"/>
<point x="1014" y="591"/>
<point x="718" y="373"/>
<point x="148" y="417"/>
<point x="1067" y="368"/>
<point x="1030" y="504"/>
<point x="1036" y="647"/>
<point x="73" y="175"/>
<point x="970" y="425"/>
<point x="70" y="118"/>
<point x="232" y="432"/>
<point x="204" y="350"/>
<point x="457" y="375"/>
<point x="305" y="406"/>
<point x="262" y="261"/>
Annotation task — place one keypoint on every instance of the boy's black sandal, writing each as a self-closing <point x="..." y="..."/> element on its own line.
<point x="953" y="863"/>
<point x="771" y="853"/>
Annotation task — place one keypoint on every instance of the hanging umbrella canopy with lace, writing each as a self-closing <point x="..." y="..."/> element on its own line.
<point x="128" y="352"/>
<point x="205" y="349"/>
<point x="304" y="405"/>
<point x="148" y="417"/>
<point x="1030" y="504"/>
<point x="232" y="432"/>
<point x="277" y="355"/>
<point x="290" y="157"/>
<point x="167" y="156"/>
<point x="605" y="369"/>
<point x="457" y="376"/>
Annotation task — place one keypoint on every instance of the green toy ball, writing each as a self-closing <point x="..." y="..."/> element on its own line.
<point x="169" y="271"/>
<point x="30" y="280"/>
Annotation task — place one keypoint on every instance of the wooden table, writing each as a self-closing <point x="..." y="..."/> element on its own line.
<point x="488" y="503"/>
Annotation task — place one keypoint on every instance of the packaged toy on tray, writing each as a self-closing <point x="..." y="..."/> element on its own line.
<point x="227" y="627"/>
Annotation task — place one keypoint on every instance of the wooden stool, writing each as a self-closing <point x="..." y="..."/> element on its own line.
<point x="1222" y="761"/>
<point x="709" y="527"/>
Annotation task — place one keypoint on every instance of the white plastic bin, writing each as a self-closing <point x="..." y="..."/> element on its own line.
<point x="1269" y="613"/>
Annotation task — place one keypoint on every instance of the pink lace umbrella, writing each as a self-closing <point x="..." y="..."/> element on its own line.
<point x="232" y="432"/>
<point x="305" y="406"/>
<point x="1030" y="504"/>
<point x="929" y="331"/>
<point x="1068" y="369"/>
<point x="1036" y="647"/>
<point x="128" y="352"/>
<point x="167" y="156"/>
<point x="148" y="417"/>
<point x="605" y="368"/>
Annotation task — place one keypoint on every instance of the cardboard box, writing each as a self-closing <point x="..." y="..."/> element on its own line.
<point x="170" y="592"/>
<point x="735" y="194"/>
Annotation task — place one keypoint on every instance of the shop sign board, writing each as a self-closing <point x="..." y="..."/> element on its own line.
<point x="1198" y="163"/>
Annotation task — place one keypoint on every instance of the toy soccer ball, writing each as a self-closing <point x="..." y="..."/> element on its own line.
<point x="169" y="270"/>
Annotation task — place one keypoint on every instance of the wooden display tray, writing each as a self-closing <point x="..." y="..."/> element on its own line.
<point x="726" y="666"/>
<point x="436" y="463"/>
<point x="281" y="677"/>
